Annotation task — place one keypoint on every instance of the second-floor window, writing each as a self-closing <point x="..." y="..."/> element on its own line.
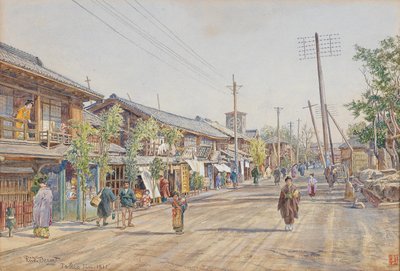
<point x="190" y="141"/>
<point x="206" y="141"/>
<point x="51" y="115"/>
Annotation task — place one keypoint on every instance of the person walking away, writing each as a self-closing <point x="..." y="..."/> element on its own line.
<point x="288" y="203"/>
<point x="127" y="198"/>
<point x="179" y="206"/>
<point x="233" y="178"/>
<point x="23" y="115"/>
<point x="218" y="181"/>
<point x="255" y="174"/>
<point x="42" y="210"/>
<point x="283" y="171"/>
<point x="164" y="185"/>
<point x="329" y="177"/>
<point x="277" y="176"/>
<point x="268" y="172"/>
<point x="302" y="169"/>
<point x="293" y="171"/>
<point x="312" y="186"/>
<point x="106" y="205"/>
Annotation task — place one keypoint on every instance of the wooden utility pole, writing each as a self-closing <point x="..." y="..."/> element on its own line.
<point x="322" y="99"/>
<point x="291" y="142"/>
<point x="298" y="141"/>
<point x="330" y="139"/>
<point x="278" y="111"/>
<point x="316" y="132"/>
<point x="235" y="89"/>
<point x="344" y="138"/>
<point x="88" y="81"/>
<point x="158" y="102"/>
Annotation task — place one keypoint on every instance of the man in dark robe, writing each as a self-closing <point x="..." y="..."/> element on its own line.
<point x="289" y="203"/>
<point x="104" y="209"/>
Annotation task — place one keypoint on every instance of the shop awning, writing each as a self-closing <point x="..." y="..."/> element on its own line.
<point x="222" y="168"/>
<point x="148" y="182"/>
<point x="197" y="166"/>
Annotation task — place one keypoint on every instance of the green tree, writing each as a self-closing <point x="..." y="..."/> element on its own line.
<point x="111" y="121"/>
<point x="257" y="151"/>
<point x="156" y="167"/>
<point x="132" y="149"/>
<point x="172" y="136"/>
<point x="79" y="157"/>
<point x="379" y="105"/>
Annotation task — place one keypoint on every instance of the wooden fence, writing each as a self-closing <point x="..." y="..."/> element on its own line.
<point x="23" y="213"/>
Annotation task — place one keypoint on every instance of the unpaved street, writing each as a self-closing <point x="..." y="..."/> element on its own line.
<point x="236" y="230"/>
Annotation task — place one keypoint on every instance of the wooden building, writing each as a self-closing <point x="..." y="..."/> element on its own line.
<point x="37" y="142"/>
<point x="361" y="158"/>
<point x="200" y="140"/>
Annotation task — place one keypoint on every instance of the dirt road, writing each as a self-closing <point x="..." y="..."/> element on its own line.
<point x="236" y="230"/>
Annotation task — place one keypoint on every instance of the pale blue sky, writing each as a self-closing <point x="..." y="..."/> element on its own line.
<point x="255" y="40"/>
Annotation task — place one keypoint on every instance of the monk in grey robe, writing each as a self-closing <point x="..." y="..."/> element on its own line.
<point x="42" y="210"/>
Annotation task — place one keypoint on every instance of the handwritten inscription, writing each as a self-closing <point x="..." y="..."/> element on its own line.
<point x="42" y="260"/>
<point x="84" y="267"/>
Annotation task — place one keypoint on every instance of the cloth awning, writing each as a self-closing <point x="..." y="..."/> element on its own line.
<point x="197" y="166"/>
<point x="222" y="168"/>
<point x="148" y="182"/>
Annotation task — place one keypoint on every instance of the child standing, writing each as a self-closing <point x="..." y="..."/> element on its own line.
<point x="312" y="186"/>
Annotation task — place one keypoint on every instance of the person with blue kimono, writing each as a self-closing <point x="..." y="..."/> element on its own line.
<point x="104" y="209"/>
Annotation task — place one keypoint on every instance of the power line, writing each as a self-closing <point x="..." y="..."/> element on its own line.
<point x="174" y="36"/>
<point x="151" y="39"/>
<point x="138" y="46"/>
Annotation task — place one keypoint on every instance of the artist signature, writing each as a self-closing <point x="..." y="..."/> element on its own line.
<point x="40" y="259"/>
<point x="85" y="267"/>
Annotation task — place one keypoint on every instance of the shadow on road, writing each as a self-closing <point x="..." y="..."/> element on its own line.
<point x="143" y="233"/>
<point x="242" y="230"/>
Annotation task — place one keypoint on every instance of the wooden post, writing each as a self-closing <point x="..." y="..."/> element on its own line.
<point x="316" y="133"/>
<point x="25" y="130"/>
<point x="38" y="116"/>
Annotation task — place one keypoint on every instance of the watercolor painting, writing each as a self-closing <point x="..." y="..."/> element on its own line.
<point x="199" y="135"/>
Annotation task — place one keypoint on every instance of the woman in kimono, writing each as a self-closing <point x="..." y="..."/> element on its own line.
<point x="293" y="171"/>
<point x="42" y="210"/>
<point x="312" y="186"/>
<point x="164" y="187"/>
<point x="23" y="115"/>
<point x="179" y="206"/>
<point x="289" y="203"/>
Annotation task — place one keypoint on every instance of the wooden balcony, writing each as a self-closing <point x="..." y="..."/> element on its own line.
<point x="54" y="138"/>
<point x="11" y="128"/>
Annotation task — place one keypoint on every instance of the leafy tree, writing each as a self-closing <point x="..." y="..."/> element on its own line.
<point x="257" y="151"/>
<point x="379" y="105"/>
<point x="111" y="121"/>
<point x="156" y="166"/>
<point x="172" y="136"/>
<point x="132" y="148"/>
<point x="79" y="157"/>
<point x="146" y="130"/>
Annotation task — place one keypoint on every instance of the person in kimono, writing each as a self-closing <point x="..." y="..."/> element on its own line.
<point x="146" y="199"/>
<point x="312" y="186"/>
<point x="255" y="174"/>
<point x="42" y="210"/>
<point x="106" y="205"/>
<point x="218" y="181"/>
<point x="277" y="176"/>
<point x="164" y="185"/>
<point x="179" y="206"/>
<point x="293" y="171"/>
<point x="288" y="204"/>
<point x="127" y="198"/>
<point x="23" y="115"/>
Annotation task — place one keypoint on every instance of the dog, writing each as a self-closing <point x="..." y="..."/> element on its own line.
<point x="10" y="220"/>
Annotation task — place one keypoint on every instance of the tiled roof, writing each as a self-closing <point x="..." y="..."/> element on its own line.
<point x="170" y="119"/>
<point x="16" y="57"/>
<point x="252" y="133"/>
<point x="274" y="140"/>
<point x="93" y="119"/>
<point x="355" y="144"/>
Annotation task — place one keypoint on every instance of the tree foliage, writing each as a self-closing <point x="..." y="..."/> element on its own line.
<point x="257" y="151"/>
<point x="111" y="121"/>
<point x="79" y="156"/>
<point x="379" y="105"/>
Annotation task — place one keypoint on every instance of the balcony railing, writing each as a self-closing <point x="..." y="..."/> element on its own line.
<point x="11" y="128"/>
<point x="54" y="138"/>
